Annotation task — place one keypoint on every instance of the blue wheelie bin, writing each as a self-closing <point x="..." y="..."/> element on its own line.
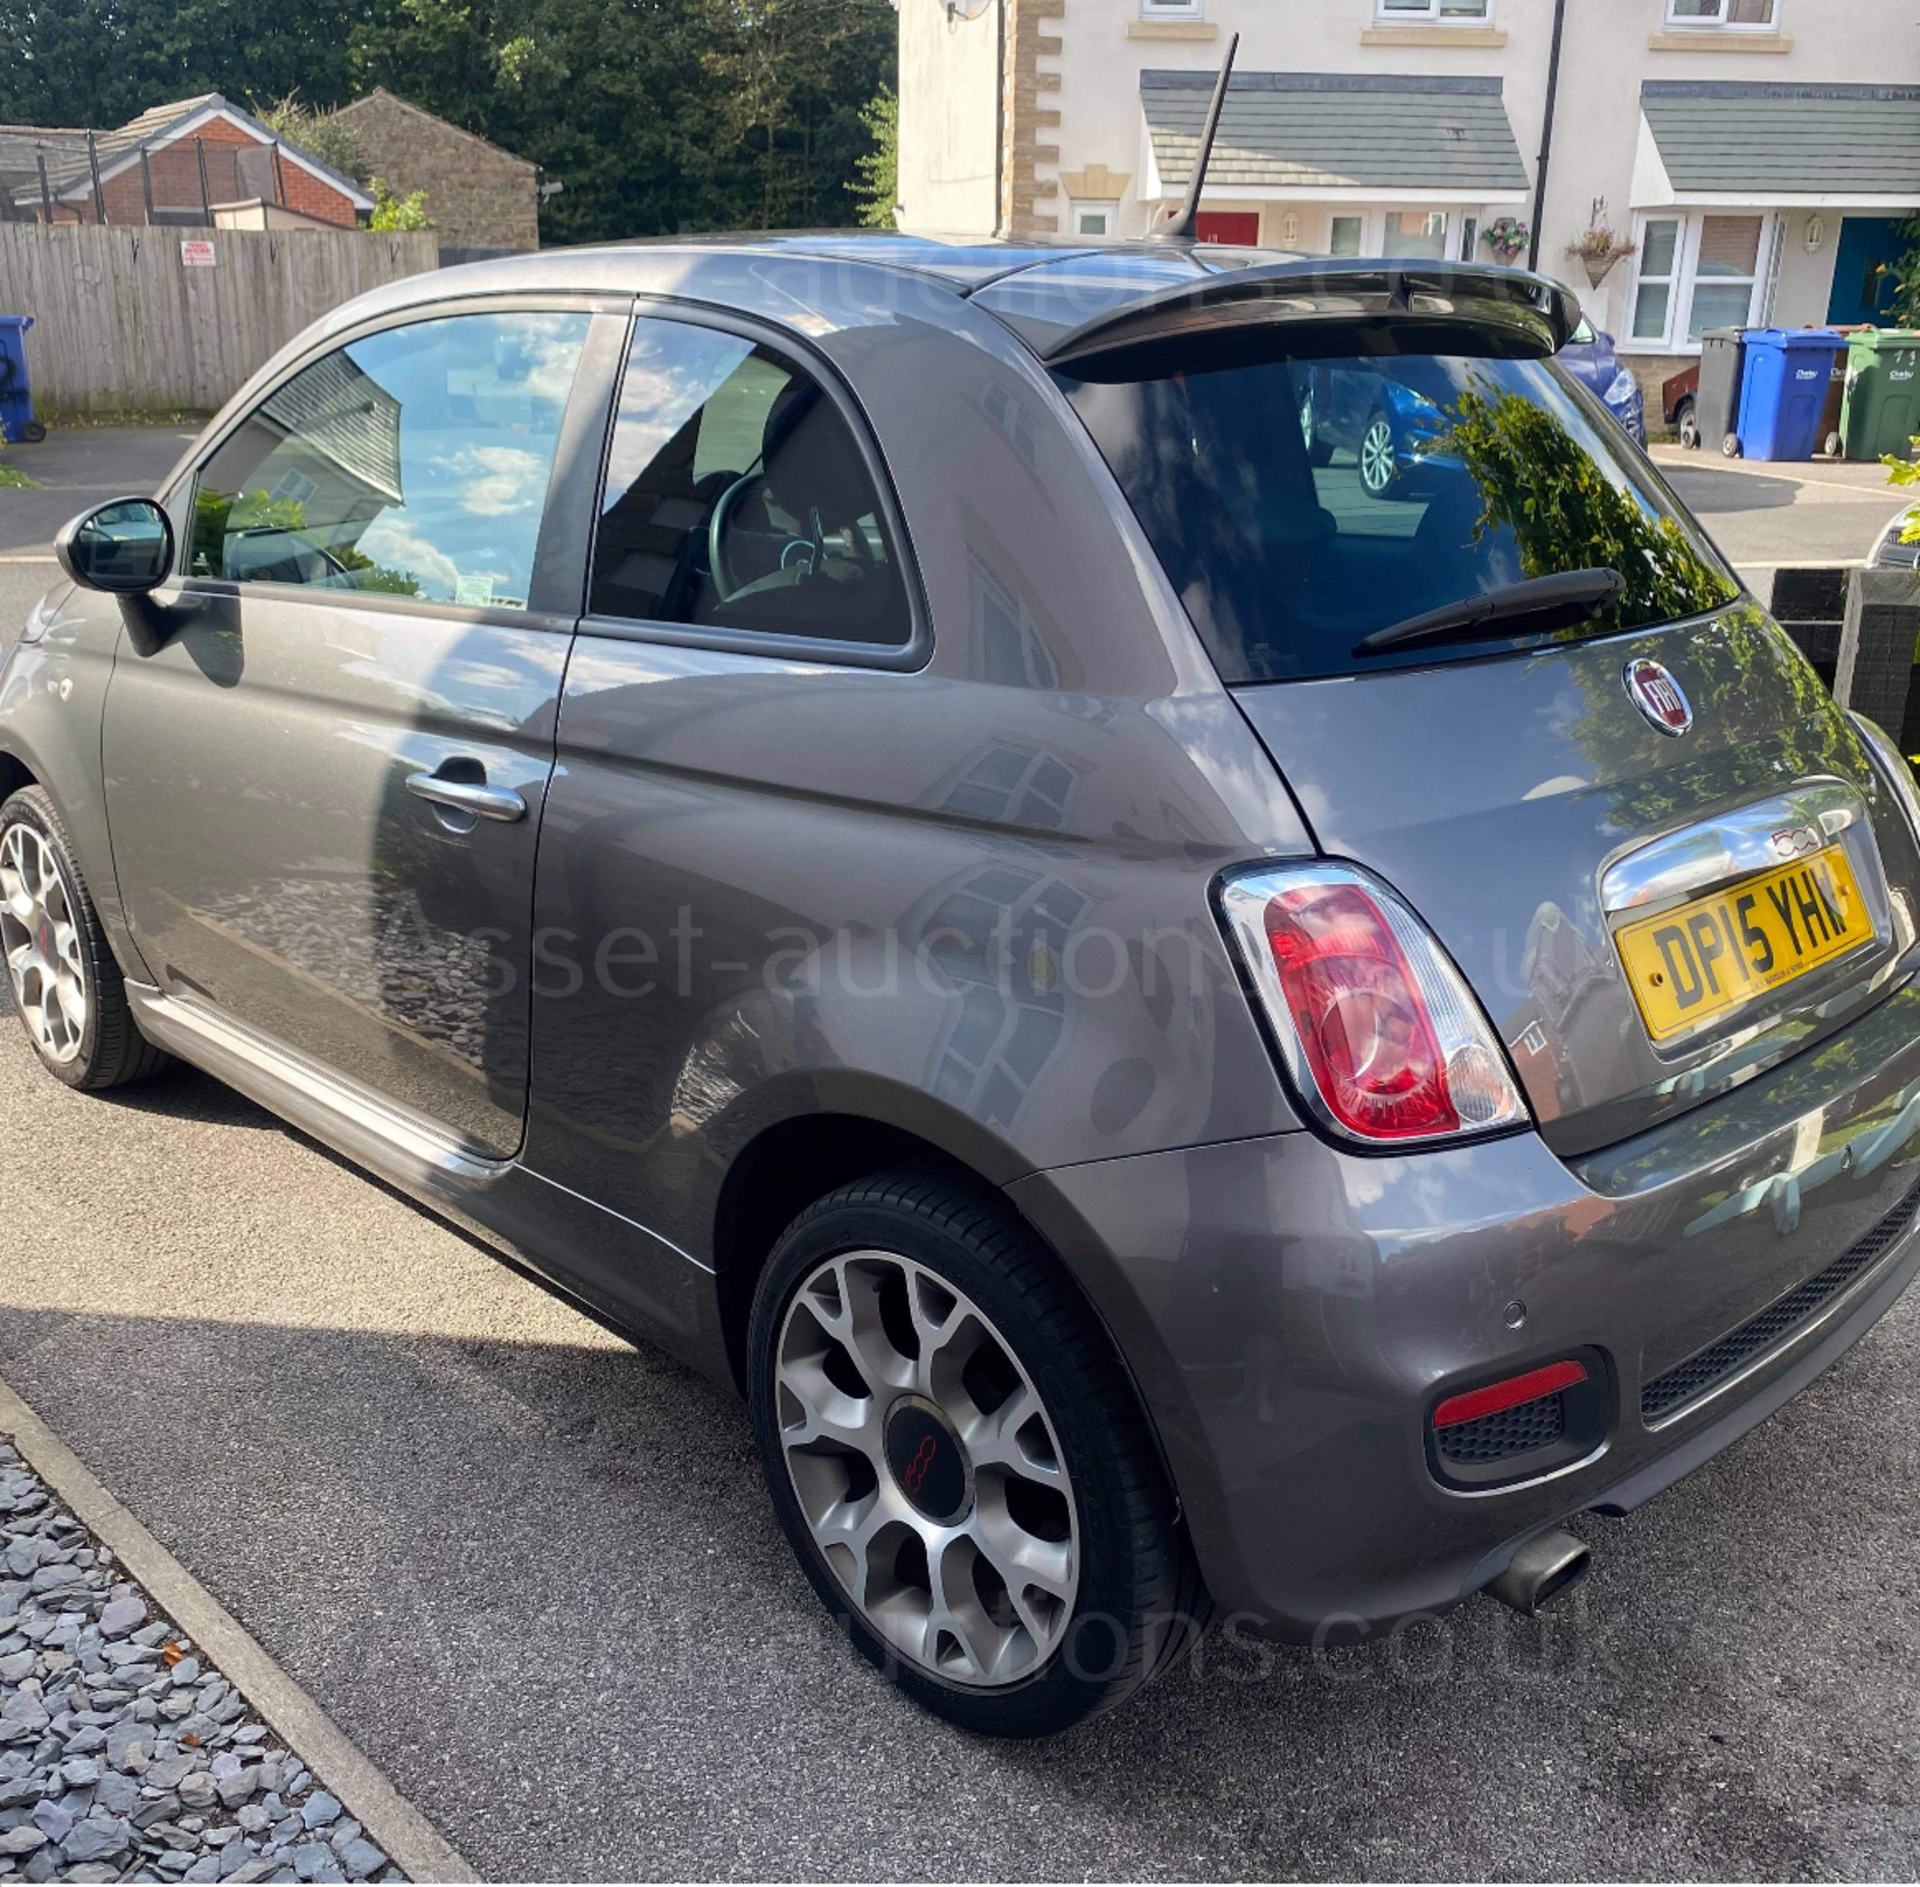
<point x="16" y="395"/>
<point x="1783" y="390"/>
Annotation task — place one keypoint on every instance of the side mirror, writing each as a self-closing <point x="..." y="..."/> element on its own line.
<point x="124" y="548"/>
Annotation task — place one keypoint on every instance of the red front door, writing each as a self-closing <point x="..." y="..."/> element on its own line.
<point x="1241" y="228"/>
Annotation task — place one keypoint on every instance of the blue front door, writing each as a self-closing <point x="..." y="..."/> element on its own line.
<point x="1863" y="269"/>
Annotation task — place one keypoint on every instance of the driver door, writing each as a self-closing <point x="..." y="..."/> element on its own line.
<point x="325" y="785"/>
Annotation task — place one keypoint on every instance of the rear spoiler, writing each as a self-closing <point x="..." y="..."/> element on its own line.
<point x="1461" y="307"/>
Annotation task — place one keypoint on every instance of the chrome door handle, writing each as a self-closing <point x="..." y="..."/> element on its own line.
<point x="489" y="802"/>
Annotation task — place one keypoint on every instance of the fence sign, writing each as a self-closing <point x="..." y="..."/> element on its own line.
<point x="197" y="253"/>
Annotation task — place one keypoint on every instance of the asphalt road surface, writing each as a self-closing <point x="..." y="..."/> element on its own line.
<point x="531" y="1572"/>
<point x="1764" y="515"/>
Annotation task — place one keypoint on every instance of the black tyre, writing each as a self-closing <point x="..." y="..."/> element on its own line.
<point x="66" y="988"/>
<point x="1689" y="426"/>
<point x="1730" y="446"/>
<point x="961" y="1461"/>
<point x="32" y="433"/>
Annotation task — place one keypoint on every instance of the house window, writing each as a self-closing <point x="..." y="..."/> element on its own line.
<point x="1415" y="233"/>
<point x="1469" y="236"/>
<point x="1343" y="238"/>
<point x="1659" y="264"/>
<point x="1696" y="273"/>
<point x="1462" y="12"/>
<point x="1093" y="219"/>
<point x="1751" y="16"/>
<point x="1171" y="9"/>
<point x="1726" y="270"/>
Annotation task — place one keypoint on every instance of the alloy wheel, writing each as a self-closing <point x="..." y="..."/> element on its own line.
<point x="41" y="941"/>
<point x="927" y="1469"/>
<point x="1377" y="457"/>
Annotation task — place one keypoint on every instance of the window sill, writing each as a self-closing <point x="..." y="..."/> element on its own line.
<point x="1172" y="29"/>
<point x="1432" y="36"/>
<point x="1718" y="39"/>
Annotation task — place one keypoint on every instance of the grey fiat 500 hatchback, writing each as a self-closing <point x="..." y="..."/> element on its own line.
<point x="1192" y="1025"/>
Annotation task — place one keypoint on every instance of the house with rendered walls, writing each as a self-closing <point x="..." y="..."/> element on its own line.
<point x="1758" y="156"/>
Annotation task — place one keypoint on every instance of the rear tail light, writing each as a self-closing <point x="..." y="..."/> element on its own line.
<point x="1380" y="1036"/>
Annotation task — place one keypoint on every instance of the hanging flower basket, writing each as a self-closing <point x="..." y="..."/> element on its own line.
<point x="1597" y="246"/>
<point x="1598" y="258"/>
<point x="1507" y="237"/>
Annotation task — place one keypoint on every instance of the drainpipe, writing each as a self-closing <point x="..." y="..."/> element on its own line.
<point x="206" y="198"/>
<point x="46" y="190"/>
<point x="1546" y="134"/>
<point x="1002" y="221"/>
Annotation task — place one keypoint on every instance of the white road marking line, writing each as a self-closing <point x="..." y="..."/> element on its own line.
<point x="392" y="1823"/>
<point x="48" y="558"/>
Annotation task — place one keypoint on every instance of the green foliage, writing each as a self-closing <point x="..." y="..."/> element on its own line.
<point x="656" y="115"/>
<point x="1906" y="298"/>
<point x="101" y="62"/>
<point x="878" y="187"/>
<point x="11" y="478"/>
<point x="392" y="212"/>
<point x="320" y="133"/>
<point x="1539" y="481"/>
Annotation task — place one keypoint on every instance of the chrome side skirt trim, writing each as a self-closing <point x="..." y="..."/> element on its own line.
<point x="393" y="1140"/>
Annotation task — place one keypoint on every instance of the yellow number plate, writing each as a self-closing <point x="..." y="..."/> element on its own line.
<point x="1720" y="952"/>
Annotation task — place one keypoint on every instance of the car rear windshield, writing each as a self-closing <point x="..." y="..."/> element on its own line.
<point x="1299" y="505"/>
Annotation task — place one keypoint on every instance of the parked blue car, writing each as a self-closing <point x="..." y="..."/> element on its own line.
<point x="1591" y="359"/>
<point x="1382" y="420"/>
<point x="1389" y="424"/>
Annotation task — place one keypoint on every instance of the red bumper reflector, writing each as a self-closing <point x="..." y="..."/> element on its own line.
<point x="1509" y="1394"/>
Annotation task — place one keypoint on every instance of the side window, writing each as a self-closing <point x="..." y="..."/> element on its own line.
<point x="737" y="498"/>
<point x="414" y="463"/>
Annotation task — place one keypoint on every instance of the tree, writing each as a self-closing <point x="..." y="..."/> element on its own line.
<point x="788" y="71"/>
<point x="878" y="187"/>
<point x="320" y="133"/>
<point x="101" y="62"/>
<point x="392" y="212"/>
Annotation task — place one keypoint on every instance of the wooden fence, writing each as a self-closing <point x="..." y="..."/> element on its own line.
<point x="123" y="321"/>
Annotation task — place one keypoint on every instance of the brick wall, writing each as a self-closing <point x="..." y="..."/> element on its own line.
<point x="479" y="196"/>
<point x="239" y="166"/>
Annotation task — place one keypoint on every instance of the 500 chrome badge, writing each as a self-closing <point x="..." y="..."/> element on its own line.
<point x="1658" y="696"/>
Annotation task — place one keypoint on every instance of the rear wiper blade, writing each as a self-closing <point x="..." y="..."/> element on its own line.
<point x="1570" y="597"/>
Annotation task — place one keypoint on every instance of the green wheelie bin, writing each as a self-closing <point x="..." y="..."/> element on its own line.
<point x="1882" y="410"/>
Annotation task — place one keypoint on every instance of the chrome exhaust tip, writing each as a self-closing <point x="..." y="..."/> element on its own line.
<point x="1545" y="1566"/>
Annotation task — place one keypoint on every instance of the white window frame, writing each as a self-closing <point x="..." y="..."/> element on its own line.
<point x="1685" y="278"/>
<point x="1692" y="23"/>
<point x="1172" y="9"/>
<point x="1109" y="207"/>
<point x="1427" y="13"/>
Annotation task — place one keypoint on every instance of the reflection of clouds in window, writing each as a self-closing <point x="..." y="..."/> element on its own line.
<point x="670" y="376"/>
<point x="494" y="480"/>
<point x="537" y="352"/>
<point x="393" y="544"/>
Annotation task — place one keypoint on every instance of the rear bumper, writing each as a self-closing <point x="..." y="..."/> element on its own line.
<point x="1293" y="1312"/>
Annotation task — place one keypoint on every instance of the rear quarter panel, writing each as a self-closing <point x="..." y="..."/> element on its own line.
<point x="970" y="901"/>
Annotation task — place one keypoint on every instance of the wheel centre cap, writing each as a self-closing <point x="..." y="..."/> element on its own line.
<point x="928" y="1460"/>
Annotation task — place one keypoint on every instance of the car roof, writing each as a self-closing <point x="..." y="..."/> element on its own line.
<point x="962" y="264"/>
<point x="1052" y="292"/>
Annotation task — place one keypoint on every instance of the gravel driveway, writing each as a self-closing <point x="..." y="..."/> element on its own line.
<point x="123" y="1754"/>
